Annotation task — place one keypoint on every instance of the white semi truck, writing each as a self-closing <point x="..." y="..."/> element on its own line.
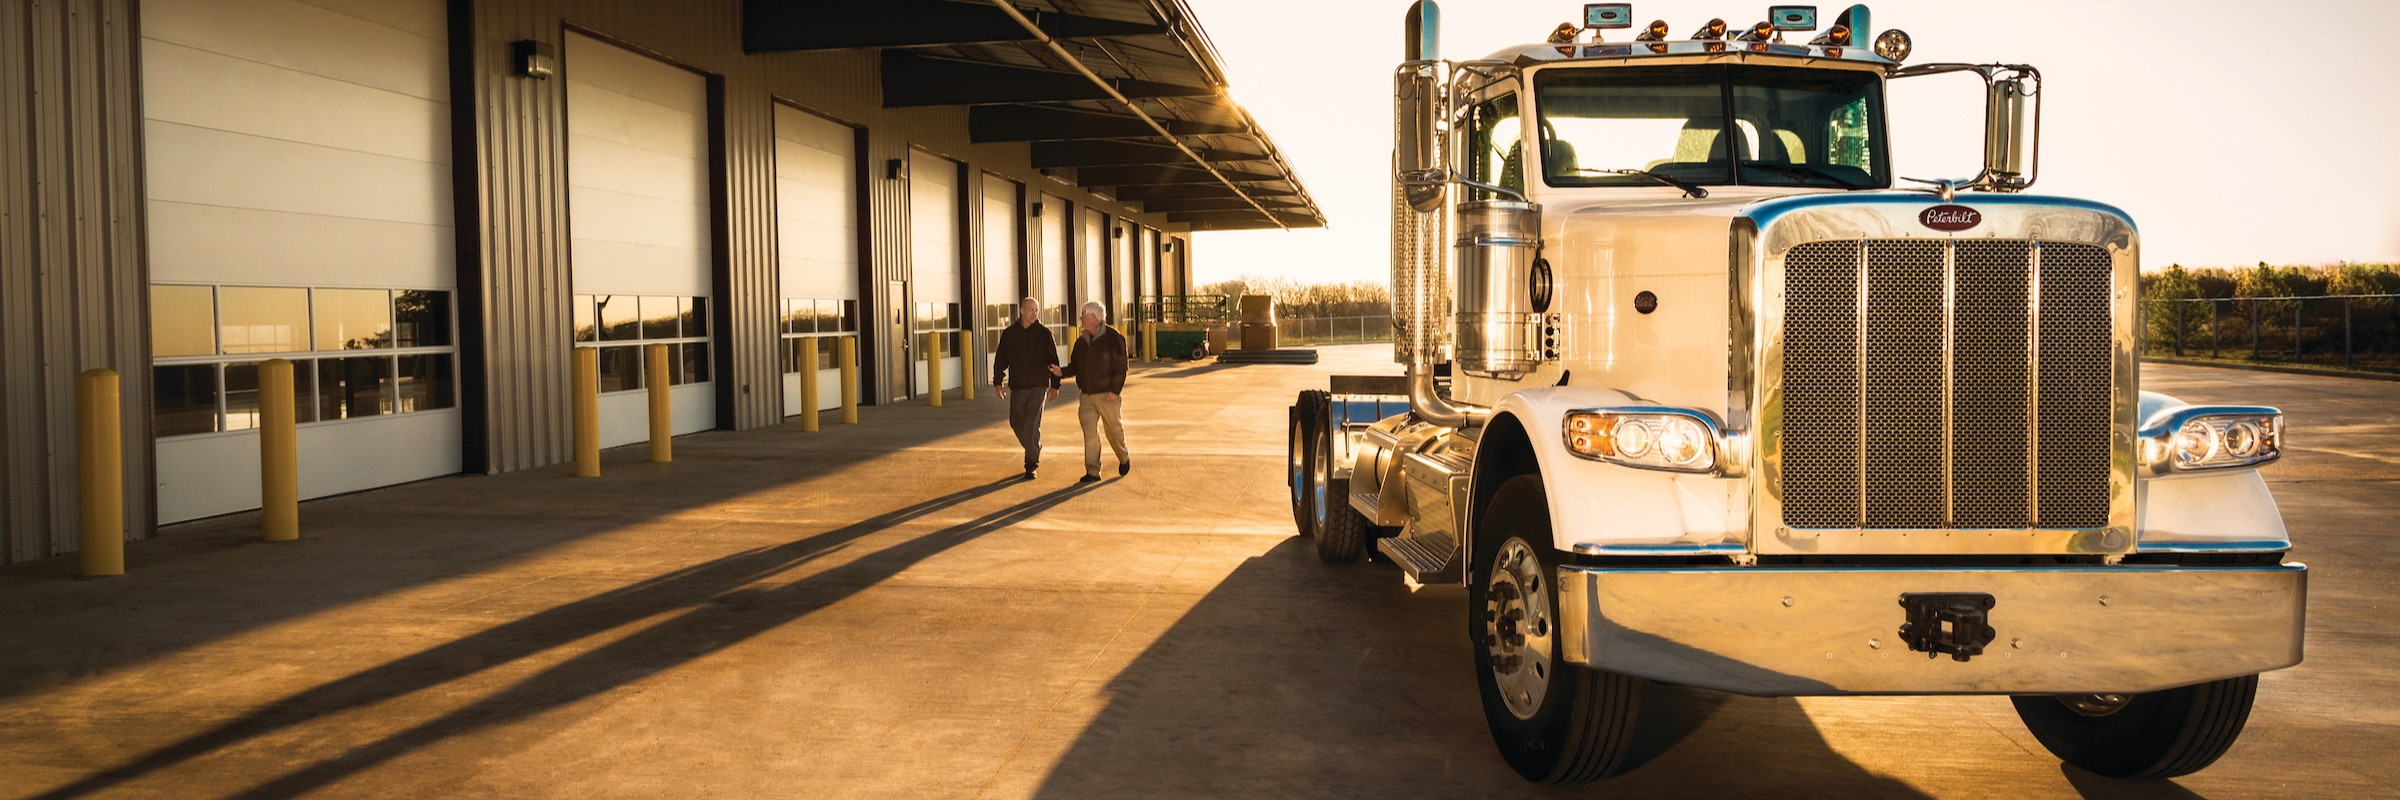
<point x="1699" y="392"/>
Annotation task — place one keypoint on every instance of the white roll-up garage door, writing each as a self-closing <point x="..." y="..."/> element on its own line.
<point x="1057" y="282"/>
<point x="1001" y="255"/>
<point x="933" y="230"/>
<point x="297" y="170"/>
<point x="816" y="242"/>
<point x="638" y="223"/>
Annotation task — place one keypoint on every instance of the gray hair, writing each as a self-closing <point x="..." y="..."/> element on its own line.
<point x="1036" y="303"/>
<point x="1095" y="309"/>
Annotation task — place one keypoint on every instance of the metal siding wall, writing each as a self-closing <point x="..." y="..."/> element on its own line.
<point x="519" y="152"/>
<point x="73" y="290"/>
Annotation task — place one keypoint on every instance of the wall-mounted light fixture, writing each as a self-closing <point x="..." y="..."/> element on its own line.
<point x="1168" y="245"/>
<point x="1117" y="232"/>
<point x="1037" y="210"/>
<point x="895" y="168"/>
<point x="534" y="59"/>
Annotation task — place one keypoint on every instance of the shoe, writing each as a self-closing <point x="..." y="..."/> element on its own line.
<point x="1028" y="473"/>
<point x="1088" y="479"/>
<point x="1124" y="467"/>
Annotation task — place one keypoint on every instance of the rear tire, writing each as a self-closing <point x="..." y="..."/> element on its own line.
<point x="1341" y="531"/>
<point x="2163" y="734"/>
<point x="1299" y="450"/>
<point x="1554" y="722"/>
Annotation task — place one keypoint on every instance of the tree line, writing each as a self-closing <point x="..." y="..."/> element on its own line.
<point x="1296" y="300"/>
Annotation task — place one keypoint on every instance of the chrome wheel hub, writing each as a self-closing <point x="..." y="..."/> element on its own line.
<point x="1517" y="628"/>
<point x="2095" y="705"/>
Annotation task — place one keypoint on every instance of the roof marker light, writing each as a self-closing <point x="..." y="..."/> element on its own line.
<point x="1837" y="36"/>
<point x="1564" y="33"/>
<point x="1656" y="32"/>
<point x="1760" y="32"/>
<point x="1715" y="29"/>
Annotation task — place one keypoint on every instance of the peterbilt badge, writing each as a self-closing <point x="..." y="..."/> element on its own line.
<point x="1950" y="218"/>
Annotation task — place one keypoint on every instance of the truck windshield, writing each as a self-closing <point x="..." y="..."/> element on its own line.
<point x="1791" y="127"/>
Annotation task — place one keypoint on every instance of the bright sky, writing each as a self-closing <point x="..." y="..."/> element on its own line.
<point x="2232" y="132"/>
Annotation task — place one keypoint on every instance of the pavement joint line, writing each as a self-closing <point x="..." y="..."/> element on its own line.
<point x="1995" y="729"/>
<point x="1069" y="689"/>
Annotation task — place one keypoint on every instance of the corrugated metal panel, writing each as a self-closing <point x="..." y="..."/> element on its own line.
<point x="71" y="267"/>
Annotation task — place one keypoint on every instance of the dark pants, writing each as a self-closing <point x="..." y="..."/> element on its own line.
<point x="1025" y="417"/>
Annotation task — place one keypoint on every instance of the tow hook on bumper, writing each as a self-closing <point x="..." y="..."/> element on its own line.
<point x="1947" y="623"/>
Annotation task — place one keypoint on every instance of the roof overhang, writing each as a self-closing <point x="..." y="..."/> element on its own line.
<point x="1090" y="94"/>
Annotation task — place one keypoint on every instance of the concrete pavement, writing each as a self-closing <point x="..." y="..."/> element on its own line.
<point x="878" y="611"/>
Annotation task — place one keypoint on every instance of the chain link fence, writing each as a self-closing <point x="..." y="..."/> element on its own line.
<point x="1333" y="330"/>
<point x="2360" y="331"/>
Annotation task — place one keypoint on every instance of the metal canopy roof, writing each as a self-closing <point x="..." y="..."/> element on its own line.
<point x="1018" y="89"/>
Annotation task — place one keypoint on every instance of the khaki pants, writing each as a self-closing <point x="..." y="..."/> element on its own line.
<point x="1099" y="413"/>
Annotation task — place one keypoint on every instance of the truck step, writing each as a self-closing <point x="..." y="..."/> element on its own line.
<point x="1429" y="559"/>
<point x="1268" y="357"/>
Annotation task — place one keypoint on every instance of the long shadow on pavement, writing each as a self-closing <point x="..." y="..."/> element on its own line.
<point x="184" y="588"/>
<point x="1293" y="678"/>
<point x="714" y="605"/>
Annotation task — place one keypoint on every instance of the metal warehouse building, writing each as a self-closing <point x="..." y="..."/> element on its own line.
<point x="428" y="205"/>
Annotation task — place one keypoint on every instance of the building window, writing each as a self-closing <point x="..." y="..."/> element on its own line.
<point x="816" y="324"/>
<point x="207" y="343"/>
<point x="620" y="326"/>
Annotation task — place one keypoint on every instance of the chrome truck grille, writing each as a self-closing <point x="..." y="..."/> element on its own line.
<point x="1946" y="384"/>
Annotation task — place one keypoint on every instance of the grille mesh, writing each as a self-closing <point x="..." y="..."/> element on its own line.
<point x="2074" y="398"/>
<point x="1904" y="372"/>
<point x="1820" y="380"/>
<point x="1890" y="376"/>
<point x="1990" y="484"/>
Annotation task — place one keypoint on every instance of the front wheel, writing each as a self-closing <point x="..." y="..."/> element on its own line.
<point x="1298" y="452"/>
<point x="1554" y="722"/>
<point x="2161" y="734"/>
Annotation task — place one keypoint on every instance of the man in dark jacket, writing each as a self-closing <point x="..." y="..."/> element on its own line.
<point x="1024" y="371"/>
<point x="1097" y="363"/>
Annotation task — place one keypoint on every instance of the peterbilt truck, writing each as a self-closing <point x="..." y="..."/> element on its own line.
<point x="1698" y="392"/>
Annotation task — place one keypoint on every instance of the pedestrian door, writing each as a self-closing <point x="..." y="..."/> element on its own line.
<point x="899" y="359"/>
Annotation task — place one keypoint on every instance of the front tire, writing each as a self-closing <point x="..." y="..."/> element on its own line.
<point x="2161" y="734"/>
<point x="1554" y="722"/>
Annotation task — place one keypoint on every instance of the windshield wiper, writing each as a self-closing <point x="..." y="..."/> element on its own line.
<point x="1801" y="171"/>
<point x="1690" y="189"/>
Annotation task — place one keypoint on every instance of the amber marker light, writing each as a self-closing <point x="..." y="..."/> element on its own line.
<point x="1760" y="32"/>
<point x="1715" y="29"/>
<point x="1564" y="33"/>
<point x="1656" y="32"/>
<point x="1837" y="36"/>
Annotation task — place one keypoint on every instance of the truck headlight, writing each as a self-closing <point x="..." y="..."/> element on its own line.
<point x="2211" y="437"/>
<point x="1671" y="439"/>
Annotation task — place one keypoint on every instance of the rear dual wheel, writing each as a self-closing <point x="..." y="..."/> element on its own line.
<point x="1342" y="533"/>
<point x="1300" y="458"/>
<point x="1554" y="722"/>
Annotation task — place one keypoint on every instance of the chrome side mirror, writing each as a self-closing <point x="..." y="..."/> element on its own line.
<point x="2006" y="134"/>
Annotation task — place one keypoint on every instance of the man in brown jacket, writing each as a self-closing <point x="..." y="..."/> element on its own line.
<point x="1097" y="363"/>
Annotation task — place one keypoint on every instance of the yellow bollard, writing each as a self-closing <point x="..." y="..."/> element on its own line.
<point x="808" y="385"/>
<point x="587" y="412"/>
<point x="966" y="365"/>
<point x="278" y="453"/>
<point x="1149" y="340"/>
<point x="849" y="380"/>
<point x="933" y="367"/>
<point x="100" y="472"/>
<point x="662" y="408"/>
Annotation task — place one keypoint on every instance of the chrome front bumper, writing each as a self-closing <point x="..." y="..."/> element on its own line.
<point x="1825" y="631"/>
